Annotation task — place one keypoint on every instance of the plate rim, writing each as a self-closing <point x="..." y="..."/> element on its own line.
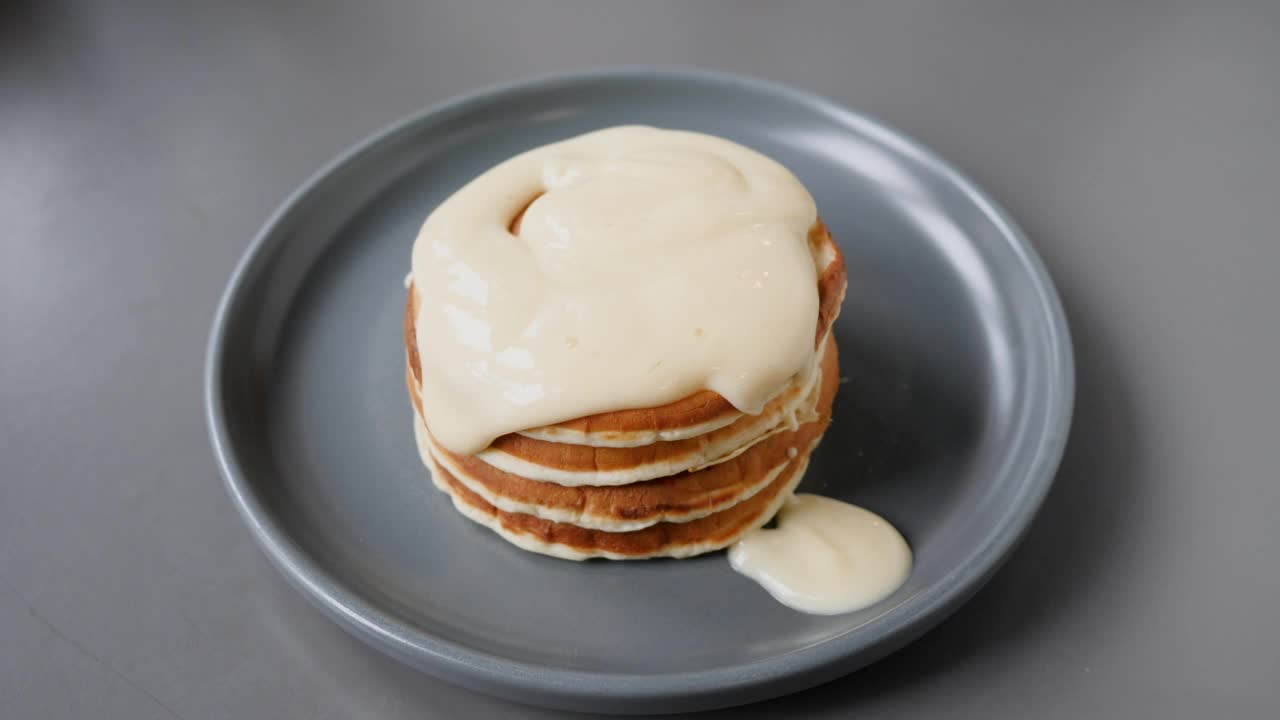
<point x="721" y="686"/>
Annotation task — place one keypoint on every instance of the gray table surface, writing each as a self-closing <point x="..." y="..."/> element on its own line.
<point x="142" y="144"/>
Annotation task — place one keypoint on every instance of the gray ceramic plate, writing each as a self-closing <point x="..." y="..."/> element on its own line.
<point x="951" y="425"/>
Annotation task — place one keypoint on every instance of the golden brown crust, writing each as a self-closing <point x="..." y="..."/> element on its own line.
<point x="715" y="530"/>
<point x="686" y="493"/>
<point x="701" y="407"/>
<point x="412" y="361"/>
<point x="569" y="541"/>
<point x="832" y="279"/>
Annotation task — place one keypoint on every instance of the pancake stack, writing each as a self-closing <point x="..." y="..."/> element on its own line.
<point x="677" y="480"/>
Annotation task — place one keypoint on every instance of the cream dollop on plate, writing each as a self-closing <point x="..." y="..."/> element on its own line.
<point x="825" y="556"/>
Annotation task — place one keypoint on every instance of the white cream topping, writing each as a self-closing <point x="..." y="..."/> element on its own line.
<point x="651" y="264"/>
<point x="825" y="556"/>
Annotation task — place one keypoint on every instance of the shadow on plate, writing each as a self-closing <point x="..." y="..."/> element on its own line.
<point x="1065" y="555"/>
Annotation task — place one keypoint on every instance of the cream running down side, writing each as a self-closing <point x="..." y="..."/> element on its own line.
<point x="649" y="264"/>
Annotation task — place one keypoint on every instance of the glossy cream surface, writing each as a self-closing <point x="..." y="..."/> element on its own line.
<point x="648" y="264"/>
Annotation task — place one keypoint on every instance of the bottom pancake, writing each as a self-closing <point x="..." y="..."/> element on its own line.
<point x="665" y="539"/>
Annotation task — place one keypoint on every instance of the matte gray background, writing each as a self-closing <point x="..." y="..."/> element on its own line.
<point x="142" y="145"/>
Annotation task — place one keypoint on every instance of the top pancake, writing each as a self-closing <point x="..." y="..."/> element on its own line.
<point x="695" y="415"/>
<point x="574" y="465"/>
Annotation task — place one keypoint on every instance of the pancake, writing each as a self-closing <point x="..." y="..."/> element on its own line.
<point x="635" y="238"/>
<point x="680" y="497"/>
<point x="695" y="415"/>
<point x="665" y="539"/>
